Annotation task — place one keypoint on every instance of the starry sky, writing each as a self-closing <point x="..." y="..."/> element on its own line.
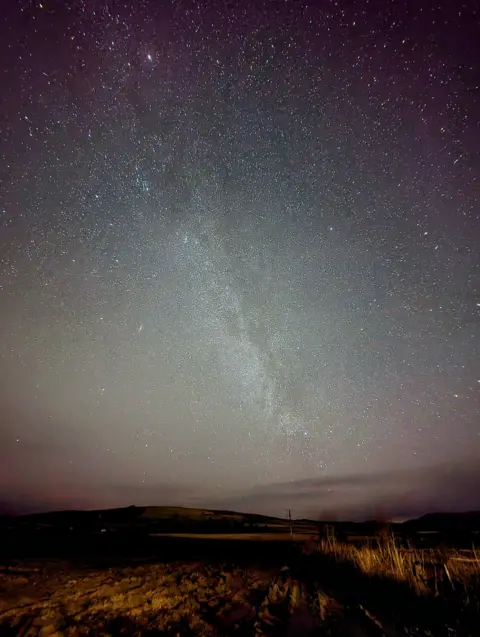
<point x="239" y="249"/>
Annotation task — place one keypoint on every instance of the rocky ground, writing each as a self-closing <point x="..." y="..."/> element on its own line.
<point x="313" y="596"/>
<point x="51" y="599"/>
<point x="176" y="599"/>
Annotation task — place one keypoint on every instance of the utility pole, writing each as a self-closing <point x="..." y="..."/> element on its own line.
<point x="291" y="524"/>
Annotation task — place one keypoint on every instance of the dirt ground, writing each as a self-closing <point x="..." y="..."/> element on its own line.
<point x="54" y="599"/>
<point x="176" y="599"/>
<point x="241" y="588"/>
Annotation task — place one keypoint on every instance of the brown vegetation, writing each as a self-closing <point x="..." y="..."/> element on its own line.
<point x="425" y="570"/>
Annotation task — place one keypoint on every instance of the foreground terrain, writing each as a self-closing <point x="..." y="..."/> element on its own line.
<point x="152" y="599"/>
<point x="120" y="578"/>
<point x="325" y="592"/>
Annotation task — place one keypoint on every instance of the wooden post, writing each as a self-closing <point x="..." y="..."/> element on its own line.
<point x="291" y="525"/>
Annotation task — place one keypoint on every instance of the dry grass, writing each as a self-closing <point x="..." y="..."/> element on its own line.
<point x="425" y="570"/>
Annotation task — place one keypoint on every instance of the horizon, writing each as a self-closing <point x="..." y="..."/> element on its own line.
<point x="459" y="487"/>
<point x="286" y="518"/>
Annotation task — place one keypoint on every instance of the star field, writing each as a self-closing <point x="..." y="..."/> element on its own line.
<point x="239" y="245"/>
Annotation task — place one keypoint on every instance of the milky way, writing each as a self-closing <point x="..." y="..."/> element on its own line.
<point x="239" y="245"/>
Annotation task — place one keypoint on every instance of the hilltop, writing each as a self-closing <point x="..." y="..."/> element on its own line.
<point x="153" y="518"/>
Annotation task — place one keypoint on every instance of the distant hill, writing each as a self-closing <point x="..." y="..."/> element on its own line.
<point x="468" y="521"/>
<point x="198" y="520"/>
<point x="165" y="516"/>
<point x="159" y="512"/>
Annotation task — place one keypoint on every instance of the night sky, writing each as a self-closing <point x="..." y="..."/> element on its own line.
<point x="239" y="254"/>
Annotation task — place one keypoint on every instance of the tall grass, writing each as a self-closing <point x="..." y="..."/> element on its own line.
<point x="425" y="570"/>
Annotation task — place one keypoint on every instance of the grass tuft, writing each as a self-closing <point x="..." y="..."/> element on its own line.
<point x="424" y="570"/>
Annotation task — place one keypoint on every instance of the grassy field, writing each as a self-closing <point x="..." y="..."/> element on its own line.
<point x="242" y="537"/>
<point x="424" y="570"/>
